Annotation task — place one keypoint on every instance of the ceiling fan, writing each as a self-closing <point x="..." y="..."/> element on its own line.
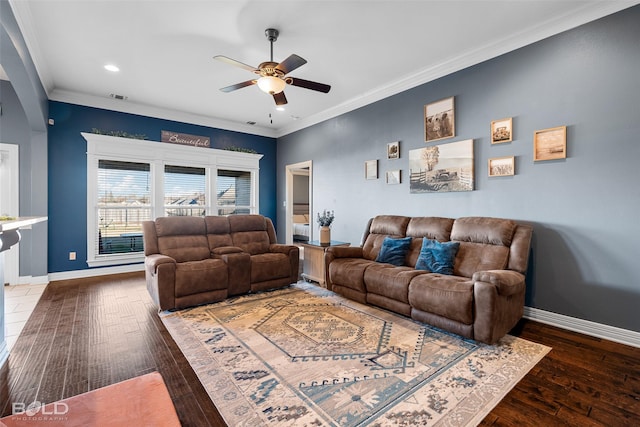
<point x="273" y="76"/>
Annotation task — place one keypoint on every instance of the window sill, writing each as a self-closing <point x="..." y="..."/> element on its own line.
<point x="108" y="260"/>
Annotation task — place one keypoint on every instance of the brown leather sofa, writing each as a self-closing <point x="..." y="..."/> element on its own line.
<point x="482" y="300"/>
<point x="197" y="260"/>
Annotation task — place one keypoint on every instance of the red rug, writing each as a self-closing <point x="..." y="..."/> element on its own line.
<point x="140" y="401"/>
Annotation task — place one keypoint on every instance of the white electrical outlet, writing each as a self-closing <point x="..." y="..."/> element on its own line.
<point x="72" y="256"/>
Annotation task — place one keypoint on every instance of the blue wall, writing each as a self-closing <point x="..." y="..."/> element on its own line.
<point x="68" y="170"/>
<point x="584" y="208"/>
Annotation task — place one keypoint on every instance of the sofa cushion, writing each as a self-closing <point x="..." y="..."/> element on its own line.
<point x="484" y="244"/>
<point x="492" y="231"/>
<point x="437" y="257"/>
<point x="182" y="238"/>
<point x="446" y="296"/>
<point x="269" y="266"/>
<point x="390" y="281"/>
<point x="473" y="257"/>
<point x="218" y="231"/>
<point x="349" y="272"/>
<point x="194" y="277"/>
<point x="393" y="251"/>
<point x="431" y="227"/>
<point x="252" y="242"/>
<point x="381" y="227"/>
<point x="249" y="232"/>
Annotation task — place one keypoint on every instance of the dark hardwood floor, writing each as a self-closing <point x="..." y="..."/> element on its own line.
<point x="88" y="333"/>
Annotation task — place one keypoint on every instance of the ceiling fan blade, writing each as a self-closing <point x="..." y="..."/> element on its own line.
<point x="307" y="84"/>
<point x="235" y="63"/>
<point x="291" y="63"/>
<point x="238" y="86"/>
<point x="280" y="98"/>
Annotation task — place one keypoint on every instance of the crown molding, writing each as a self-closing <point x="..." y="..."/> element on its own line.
<point x="22" y="13"/>
<point x="543" y="30"/>
<point x="157" y="112"/>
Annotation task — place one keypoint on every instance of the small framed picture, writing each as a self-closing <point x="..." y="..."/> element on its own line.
<point x="502" y="131"/>
<point x="550" y="144"/>
<point x="502" y="166"/>
<point x="393" y="150"/>
<point x="439" y="120"/>
<point x="394" y="177"/>
<point x="371" y="169"/>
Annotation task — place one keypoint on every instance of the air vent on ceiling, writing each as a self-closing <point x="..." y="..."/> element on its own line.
<point x="120" y="97"/>
<point x="251" y="122"/>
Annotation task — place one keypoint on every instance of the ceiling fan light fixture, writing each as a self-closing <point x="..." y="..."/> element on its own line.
<point x="271" y="84"/>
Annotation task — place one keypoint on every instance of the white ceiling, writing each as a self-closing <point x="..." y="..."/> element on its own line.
<point x="366" y="50"/>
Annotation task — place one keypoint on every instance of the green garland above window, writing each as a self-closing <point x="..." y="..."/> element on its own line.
<point x="119" y="133"/>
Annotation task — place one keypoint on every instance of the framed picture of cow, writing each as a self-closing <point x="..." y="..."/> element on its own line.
<point x="439" y="120"/>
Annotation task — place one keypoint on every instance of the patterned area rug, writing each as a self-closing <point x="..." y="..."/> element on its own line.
<point x="304" y="356"/>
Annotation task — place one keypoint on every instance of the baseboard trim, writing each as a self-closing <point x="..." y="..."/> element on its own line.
<point x="611" y="333"/>
<point x="92" y="272"/>
<point x="31" y="280"/>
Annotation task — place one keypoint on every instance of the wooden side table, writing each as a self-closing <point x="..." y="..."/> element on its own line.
<point x="313" y="263"/>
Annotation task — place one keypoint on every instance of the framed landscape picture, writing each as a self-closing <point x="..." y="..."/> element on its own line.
<point x="439" y="120"/>
<point x="550" y="144"/>
<point x="441" y="168"/>
<point x="502" y="166"/>
<point x="502" y="131"/>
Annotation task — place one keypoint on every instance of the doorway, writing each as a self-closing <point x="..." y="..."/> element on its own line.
<point x="299" y="201"/>
<point x="9" y="202"/>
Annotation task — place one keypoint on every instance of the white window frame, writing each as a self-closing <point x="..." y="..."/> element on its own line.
<point x="158" y="154"/>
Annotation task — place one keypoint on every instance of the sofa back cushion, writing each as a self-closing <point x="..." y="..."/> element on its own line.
<point x="381" y="227"/>
<point x="484" y="244"/>
<point x="431" y="227"/>
<point x="218" y="231"/>
<point x="251" y="233"/>
<point x="183" y="238"/>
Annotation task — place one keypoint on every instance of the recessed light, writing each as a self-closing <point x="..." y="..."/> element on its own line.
<point x="280" y="108"/>
<point x="112" y="68"/>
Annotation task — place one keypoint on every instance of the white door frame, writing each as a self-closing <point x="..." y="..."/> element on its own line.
<point x="9" y="205"/>
<point x="290" y="172"/>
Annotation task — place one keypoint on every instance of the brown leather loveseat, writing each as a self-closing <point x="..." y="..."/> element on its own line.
<point x="197" y="260"/>
<point x="482" y="299"/>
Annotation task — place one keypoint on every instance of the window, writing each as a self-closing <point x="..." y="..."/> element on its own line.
<point x="234" y="192"/>
<point x="130" y="181"/>
<point x="184" y="191"/>
<point x="123" y="203"/>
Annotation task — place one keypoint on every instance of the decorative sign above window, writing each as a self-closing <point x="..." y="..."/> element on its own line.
<point x="185" y="139"/>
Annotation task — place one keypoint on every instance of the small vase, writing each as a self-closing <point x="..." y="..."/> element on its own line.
<point x="325" y="235"/>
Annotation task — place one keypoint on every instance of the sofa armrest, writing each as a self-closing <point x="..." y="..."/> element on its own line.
<point x="151" y="262"/>
<point x="345" y="252"/>
<point x="498" y="303"/>
<point x="283" y="249"/>
<point x="293" y="252"/>
<point x="225" y="250"/>
<point x="507" y="282"/>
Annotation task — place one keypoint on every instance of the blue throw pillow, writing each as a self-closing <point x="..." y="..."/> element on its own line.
<point x="437" y="257"/>
<point x="393" y="250"/>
